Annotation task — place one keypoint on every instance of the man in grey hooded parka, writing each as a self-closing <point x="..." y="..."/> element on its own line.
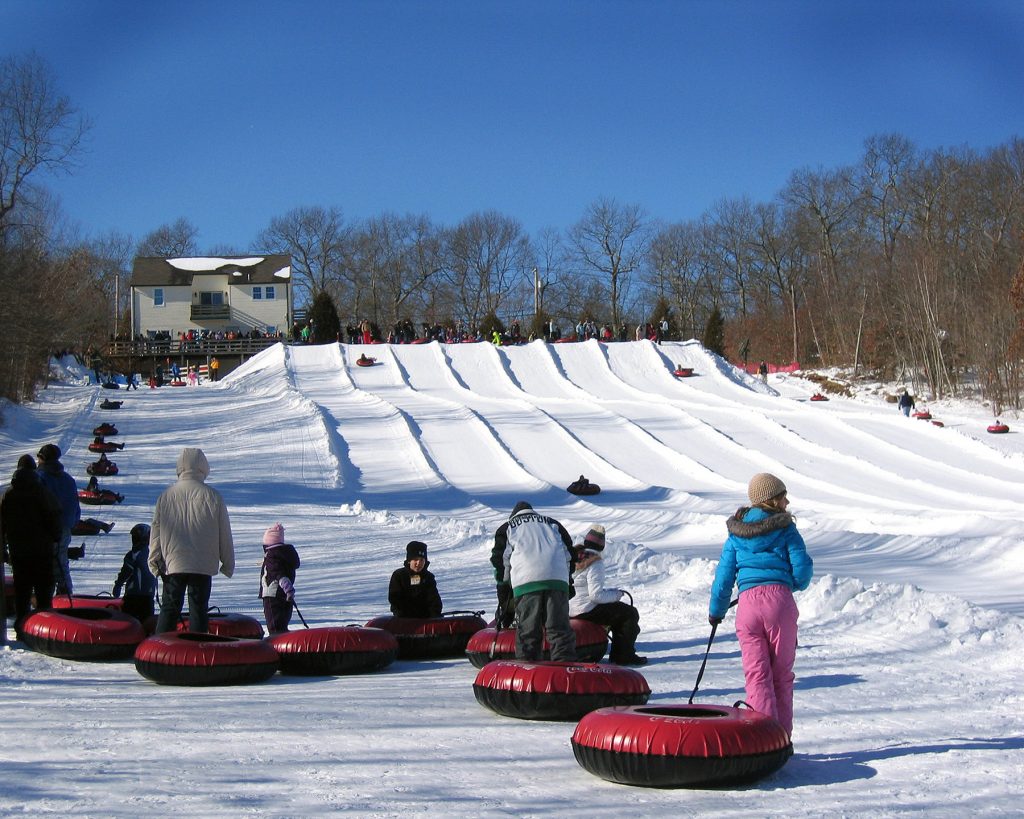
<point x="190" y="541"/>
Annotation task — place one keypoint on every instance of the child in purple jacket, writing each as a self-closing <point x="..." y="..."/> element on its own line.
<point x="277" y="579"/>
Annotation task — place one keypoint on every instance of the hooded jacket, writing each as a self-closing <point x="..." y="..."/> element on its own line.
<point x="532" y="552"/>
<point x="191" y="532"/>
<point x="30" y="516"/>
<point x="762" y="549"/>
<point x="63" y="486"/>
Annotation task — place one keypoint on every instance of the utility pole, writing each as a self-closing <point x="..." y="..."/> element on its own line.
<point x="536" y="293"/>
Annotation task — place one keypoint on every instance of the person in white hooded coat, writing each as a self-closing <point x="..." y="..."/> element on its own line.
<point x="190" y="541"/>
<point x="601" y="605"/>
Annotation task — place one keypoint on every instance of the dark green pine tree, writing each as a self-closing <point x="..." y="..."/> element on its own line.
<point x="714" y="333"/>
<point x="322" y="313"/>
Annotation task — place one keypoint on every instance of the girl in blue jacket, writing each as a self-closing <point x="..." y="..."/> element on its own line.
<point x="765" y="555"/>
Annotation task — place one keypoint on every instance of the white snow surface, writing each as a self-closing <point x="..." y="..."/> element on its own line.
<point x="908" y="692"/>
<point x="196" y="263"/>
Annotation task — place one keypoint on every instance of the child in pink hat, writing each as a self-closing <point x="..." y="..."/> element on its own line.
<point x="277" y="579"/>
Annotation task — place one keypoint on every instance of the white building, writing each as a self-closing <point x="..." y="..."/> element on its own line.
<point x="237" y="294"/>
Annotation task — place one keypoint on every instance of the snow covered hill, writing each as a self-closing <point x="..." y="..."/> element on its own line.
<point x="908" y="674"/>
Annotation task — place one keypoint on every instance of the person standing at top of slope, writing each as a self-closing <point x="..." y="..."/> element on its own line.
<point x="766" y="556"/>
<point x="189" y="538"/>
<point x="533" y="558"/>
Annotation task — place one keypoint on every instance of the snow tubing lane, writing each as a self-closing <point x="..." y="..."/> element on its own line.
<point x="82" y="634"/>
<point x="62" y="602"/>
<point x="432" y="637"/>
<point x="556" y="691"/>
<point x="680" y="746"/>
<point x="998" y="429"/>
<point x="191" y="658"/>
<point x="591" y="644"/>
<point x="333" y="650"/>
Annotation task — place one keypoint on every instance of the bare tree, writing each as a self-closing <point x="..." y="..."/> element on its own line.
<point x="487" y="260"/>
<point x="40" y="130"/>
<point x="611" y="241"/>
<point x="317" y="239"/>
<point x="173" y="240"/>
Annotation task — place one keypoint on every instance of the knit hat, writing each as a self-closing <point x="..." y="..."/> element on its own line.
<point x="519" y="507"/>
<point x="273" y="535"/>
<point x="763" y="487"/>
<point x="49" y="452"/>
<point x="26" y="462"/>
<point x="415" y="549"/>
<point x="595" y="538"/>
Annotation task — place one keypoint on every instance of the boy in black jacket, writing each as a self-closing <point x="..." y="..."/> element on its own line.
<point x="135" y="577"/>
<point x="413" y="590"/>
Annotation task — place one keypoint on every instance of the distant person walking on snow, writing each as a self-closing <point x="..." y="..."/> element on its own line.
<point x="762" y="370"/>
<point x="766" y="556"/>
<point x="906" y="403"/>
<point x="190" y="539"/>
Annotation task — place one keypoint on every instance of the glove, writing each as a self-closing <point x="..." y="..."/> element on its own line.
<point x="714" y="620"/>
<point x="286" y="586"/>
<point x="116" y="592"/>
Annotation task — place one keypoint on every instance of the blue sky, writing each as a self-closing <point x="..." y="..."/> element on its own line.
<point x="230" y="113"/>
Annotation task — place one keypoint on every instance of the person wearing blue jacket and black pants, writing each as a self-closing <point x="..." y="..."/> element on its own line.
<point x="765" y="555"/>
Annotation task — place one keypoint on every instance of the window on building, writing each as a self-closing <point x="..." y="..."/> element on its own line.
<point x="212" y="299"/>
<point x="257" y="294"/>
<point x="158" y="297"/>
<point x="270" y="293"/>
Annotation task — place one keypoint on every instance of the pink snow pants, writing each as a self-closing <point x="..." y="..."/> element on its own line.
<point x="766" y="628"/>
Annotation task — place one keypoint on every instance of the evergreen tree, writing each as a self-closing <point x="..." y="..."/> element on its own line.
<point x="714" y="333"/>
<point x="322" y="313"/>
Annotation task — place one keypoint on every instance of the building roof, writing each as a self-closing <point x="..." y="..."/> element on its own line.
<point x="159" y="271"/>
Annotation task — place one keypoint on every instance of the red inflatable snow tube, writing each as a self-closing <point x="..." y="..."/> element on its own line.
<point x="190" y="658"/>
<point x="102" y="468"/>
<point x="680" y="746"/>
<point x="82" y="633"/>
<point x="490" y="644"/>
<point x="819" y="397"/>
<point x="431" y="637"/>
<point x="106" y="428"/>
<point x="332" y="650"/>
<point x="365" y="362"/>
<point x="556" y="691"/>
<point x="106" y="446"/>
<point x="87" y="601"/>
<point x="226" y="624"/>
<point x="683" y="372"/>
<point x="103" y="497"/>
<point x="998" y="429"/>
<point x="923" y="415"/>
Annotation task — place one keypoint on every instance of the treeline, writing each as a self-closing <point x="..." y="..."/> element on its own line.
<point x="906" y="264"/>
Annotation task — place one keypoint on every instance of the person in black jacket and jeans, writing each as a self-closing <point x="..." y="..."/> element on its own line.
<point x="30" y="526"/>
<point x="412" y="591"/>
